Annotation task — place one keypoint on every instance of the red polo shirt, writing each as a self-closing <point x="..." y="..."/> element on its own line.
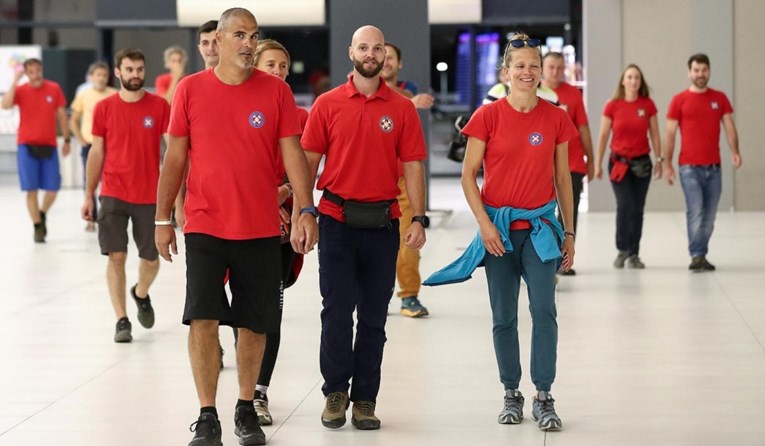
<point x="363" y="139"/>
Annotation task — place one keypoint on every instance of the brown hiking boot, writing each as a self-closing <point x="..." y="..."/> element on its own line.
<point x="335" y="406"/>
<point x="363" y="416"/>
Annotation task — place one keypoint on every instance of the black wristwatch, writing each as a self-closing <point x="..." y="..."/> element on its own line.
<point x="310" y="210"/>
<point x="421" y="219"/>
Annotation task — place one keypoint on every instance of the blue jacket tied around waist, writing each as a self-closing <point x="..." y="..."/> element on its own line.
<point x="545" y="236"/>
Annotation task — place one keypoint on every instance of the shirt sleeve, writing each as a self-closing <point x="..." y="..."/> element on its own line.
<point x="567" y="131"/>
<point x="478" y="127"/>
<point x="165" y="116"/>
<point x="726" y="105"/>
<point x="315" y="138"/>
<point x="411" y="146"/>
<point x="60" y="99"/>
<point x="99" y="119"/>
<point x="179" y="119"/>
<point x="77" y="103"/>
<point x="673" y="111"/>
<point x="289" y="123"/>
<point x="651" y="108"/>
<point x="580" y="117"/>
<point x="608" y="110"/>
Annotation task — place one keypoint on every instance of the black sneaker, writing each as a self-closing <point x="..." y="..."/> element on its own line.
<point x="145" y="310"/>
<point x="43" y="222"/>
<point x="122" y="332"/>
<point x="247" y="426"/>
<point x="700" y="264"/>
<point x="207" y="431"/>
<point x="39" y="233"/>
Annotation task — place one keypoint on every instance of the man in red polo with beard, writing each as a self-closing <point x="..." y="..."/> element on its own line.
<point x="363" y="128"/>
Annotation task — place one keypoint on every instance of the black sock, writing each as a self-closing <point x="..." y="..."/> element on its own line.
<point x="240" y="403"/>
<point x="209" y="409"/>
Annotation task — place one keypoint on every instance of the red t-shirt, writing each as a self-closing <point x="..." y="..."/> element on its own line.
<point x="519" y="161"/>
<point x="570" y="99"/>
<point x="363" y="140"/>
<point x="630" y="122"/>
<point x="234" y="133"/>
<point x="699" y="116"/>
<point x="38" y="109"/>
<point x="132" y="132"/>
<point x="162" y="84"/>
<point x="303" y="118"/>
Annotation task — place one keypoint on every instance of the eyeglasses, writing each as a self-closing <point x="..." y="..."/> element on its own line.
<point x="520" y="43"/>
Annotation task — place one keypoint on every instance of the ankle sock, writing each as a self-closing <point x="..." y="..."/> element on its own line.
<point x="209" y="409"/>
<point x="247" y="403"/>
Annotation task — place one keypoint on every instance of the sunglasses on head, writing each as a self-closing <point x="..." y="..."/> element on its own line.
<point x="520" y="43"/>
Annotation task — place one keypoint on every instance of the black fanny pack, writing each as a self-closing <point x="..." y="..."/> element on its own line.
<point x="640" y="166"/>
<point x="41" y="152"/>
<point x="363" y="215"/>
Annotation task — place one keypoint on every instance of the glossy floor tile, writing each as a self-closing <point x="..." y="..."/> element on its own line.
<point x="658" y="356"/>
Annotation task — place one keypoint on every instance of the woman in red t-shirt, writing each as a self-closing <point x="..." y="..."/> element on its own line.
<point x="630" y="115"/>
<point x="521" y="141"/>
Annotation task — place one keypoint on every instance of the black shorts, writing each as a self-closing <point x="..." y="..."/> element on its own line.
<point x="255" y="279"/>
<point x="113" y="216"/>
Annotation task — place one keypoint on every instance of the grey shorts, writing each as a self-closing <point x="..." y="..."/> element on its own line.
<point x="113" y="216"/>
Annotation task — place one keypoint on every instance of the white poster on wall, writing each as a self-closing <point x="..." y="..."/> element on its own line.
<point x="11" y="62"/>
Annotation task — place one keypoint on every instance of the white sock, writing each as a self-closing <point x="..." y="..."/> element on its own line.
<point x="261" y="389"/>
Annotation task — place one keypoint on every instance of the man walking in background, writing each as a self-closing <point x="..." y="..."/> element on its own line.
<point x="698" y="112"/>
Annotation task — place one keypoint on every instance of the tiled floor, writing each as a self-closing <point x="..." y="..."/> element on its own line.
<point x="653" y="357"/>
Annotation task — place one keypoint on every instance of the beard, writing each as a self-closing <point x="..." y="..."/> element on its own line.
<point x="133" y="84"/>
<point x="701" y="82"/>
<point x="359" y="66"/>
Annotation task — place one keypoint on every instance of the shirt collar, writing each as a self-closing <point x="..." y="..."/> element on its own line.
<point x="383" y="92"/>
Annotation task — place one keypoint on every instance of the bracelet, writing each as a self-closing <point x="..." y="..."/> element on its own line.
<point x="569" y="234"/>
<point x="163" y="222"/>
<point x="289" y="189"/>
<point x="659" y="159"/>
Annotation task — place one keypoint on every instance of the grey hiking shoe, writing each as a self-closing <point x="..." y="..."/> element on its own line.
<point x="207" y="431"/>
<point x="634" y="262"/>
<point x="247" y="426"/>
<point x="122" y="331"/>
<point x="512" y="413"/>
<point x="411" y="307"/>
<point x="261" y="407"/>
<point x="620" y="259"/>
<point x="335" y="406"/>
<point x="145" y="310"/>
<point x="363" y="416"/>
<point x="543" y="412"/>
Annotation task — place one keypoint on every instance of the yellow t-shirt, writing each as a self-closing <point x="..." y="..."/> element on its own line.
<point x="84" y="103"/>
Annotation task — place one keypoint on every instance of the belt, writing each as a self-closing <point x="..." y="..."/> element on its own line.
<point x="704" y="166"/>
<point x="340" y="201"/>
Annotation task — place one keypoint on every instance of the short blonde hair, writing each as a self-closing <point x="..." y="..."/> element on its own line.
<point x="507" y="55"/>
<point x="270" y="44"/>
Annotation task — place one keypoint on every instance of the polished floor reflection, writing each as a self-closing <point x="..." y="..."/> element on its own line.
<point x="659" y="356"/>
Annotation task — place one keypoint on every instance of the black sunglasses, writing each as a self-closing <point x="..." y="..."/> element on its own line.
<point x="520" y="43"/>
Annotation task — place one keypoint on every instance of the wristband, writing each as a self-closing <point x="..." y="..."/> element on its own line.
<point x="659" y="159"/>
<point x="163" y="222"/>
<point x="310" y="210"/>
<point x="569" y="234"/>
<point x="289" y="189"/>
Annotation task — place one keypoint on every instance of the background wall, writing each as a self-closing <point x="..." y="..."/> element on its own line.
<point x="659" y="36"/>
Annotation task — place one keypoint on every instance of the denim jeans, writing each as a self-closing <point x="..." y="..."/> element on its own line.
<point x="702" y="186"/>
<point x="504" y="276"/>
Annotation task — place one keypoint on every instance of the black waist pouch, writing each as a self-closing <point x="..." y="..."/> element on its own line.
<point x="374" y="215"/>
<point x="42" y="152"/>
<point x="641" y="166"/>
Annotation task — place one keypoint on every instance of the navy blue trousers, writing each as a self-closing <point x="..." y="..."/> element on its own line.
<point x="357" y="272"/>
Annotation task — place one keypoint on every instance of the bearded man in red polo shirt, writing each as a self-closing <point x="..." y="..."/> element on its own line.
<point x="364" y="129"/>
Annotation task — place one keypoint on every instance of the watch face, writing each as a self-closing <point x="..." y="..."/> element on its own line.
<point x="422" y="219"/>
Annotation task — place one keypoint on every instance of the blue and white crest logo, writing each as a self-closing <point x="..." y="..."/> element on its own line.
<point x="386" y="124"/>
<point x="148" y="122"/>
<point x="535" y="138"/>
<point x="257" y="119"/>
